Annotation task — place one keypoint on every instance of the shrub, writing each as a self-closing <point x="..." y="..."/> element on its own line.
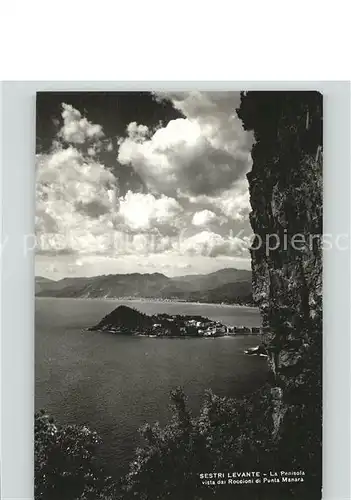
<point x="65" y="463"/>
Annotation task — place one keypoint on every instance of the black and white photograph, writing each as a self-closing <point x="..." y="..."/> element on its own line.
<point x="178" y="295"/>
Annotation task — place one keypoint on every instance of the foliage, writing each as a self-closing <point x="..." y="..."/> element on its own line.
<point x="228" y="435"/>
<point x="219" y="439"/>
<point x="65" y="463"/>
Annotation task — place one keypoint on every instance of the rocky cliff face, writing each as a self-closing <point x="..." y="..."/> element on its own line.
<point x="286" y="199"/>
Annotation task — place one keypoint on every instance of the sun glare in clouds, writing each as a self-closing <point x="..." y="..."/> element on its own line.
<point x="195" y="197"/>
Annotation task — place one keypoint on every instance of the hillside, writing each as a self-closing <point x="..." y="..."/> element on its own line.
<point x="238" y="292"/>
<point x="226" y="285"/>
<point x="42" y="284"/>
<point x="109" y="286"/>
<point x="124" y="317"/>
<point x="213" y="280"/>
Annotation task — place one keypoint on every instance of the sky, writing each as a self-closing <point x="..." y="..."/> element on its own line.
<point x="141" y="182"/>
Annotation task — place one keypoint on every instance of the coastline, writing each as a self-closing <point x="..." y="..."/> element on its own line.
<point x="137" y="335"/>
<point x="155" y="301"/>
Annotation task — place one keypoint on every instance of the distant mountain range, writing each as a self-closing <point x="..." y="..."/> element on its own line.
<point x="227" y="285"/>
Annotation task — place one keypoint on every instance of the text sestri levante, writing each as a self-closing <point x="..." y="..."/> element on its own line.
<point x="212" y="478"/>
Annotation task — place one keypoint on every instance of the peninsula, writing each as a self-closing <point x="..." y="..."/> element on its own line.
<point x="125" y="320"/>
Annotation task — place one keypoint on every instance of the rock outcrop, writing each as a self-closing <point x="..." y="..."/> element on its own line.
<point x="286" y="218"/>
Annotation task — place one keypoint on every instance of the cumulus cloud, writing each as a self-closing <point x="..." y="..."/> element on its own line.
<point x="208" y="243"/>
<point x="77" y="129"/>
<point x="141" y="212"/>
<point x="233" y="203"/>
<point x="202" y="154"/>
<point x="76" y="195"/>
<point x="109" y="146"/>
<point x="75" y="199"/>
<point x="91" y="151"/>
<point x="78" y="210"/>
<point x="193" y="168"/>
<point x="137" y="132"/>
<point x="204" y="218"/>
